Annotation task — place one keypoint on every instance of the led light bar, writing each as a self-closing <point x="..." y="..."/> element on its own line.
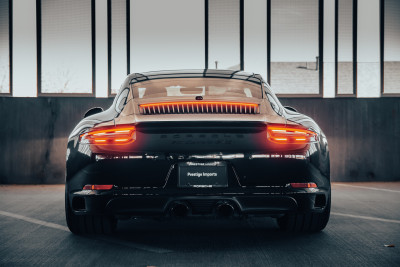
<point x="114" y="135"/>
<point x="282" y="134"/>
<point x="184" y="107"/>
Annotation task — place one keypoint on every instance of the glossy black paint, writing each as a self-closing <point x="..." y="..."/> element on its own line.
<point x="93" y="111"/>
<point x="145" y="182"/>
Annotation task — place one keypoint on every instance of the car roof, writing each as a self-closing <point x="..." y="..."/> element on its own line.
<point x="197" y="73"/>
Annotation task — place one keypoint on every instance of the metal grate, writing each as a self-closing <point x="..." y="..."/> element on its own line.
<point x="191" y="107"/>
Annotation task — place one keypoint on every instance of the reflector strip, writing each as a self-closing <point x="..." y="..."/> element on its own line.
<point x="303" y="185"/>
<point x="98" y="187"/>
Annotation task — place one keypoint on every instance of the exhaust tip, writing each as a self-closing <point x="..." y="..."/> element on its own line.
<point x="225" y="210"/>
<point x="179" y="209"/>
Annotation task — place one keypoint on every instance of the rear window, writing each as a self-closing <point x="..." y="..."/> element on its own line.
<point x="186" y="87"/>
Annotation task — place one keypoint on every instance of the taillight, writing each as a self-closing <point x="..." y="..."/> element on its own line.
<point x="98" y="187"/>
<point x="114" y="135"/>
<point x="303" y="185"/>
<point x="282" y="134"/>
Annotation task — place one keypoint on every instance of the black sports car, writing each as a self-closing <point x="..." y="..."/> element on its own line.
<point x="212" y="143"/>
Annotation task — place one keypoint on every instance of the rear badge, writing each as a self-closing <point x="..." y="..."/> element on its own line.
<point x="199" y="97"/>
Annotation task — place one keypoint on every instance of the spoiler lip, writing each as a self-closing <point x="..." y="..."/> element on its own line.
<point x="249" y="100"/>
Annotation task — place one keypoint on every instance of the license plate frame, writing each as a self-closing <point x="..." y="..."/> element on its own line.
<point x="202" y="174"/>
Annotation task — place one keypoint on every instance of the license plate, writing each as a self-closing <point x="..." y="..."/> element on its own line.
<point x="202" y="174"/>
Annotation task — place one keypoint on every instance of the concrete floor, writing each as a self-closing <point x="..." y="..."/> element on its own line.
<point x="365" y="217"/>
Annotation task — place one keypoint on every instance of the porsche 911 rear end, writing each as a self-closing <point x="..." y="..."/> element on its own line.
<point x="197" y="143"/>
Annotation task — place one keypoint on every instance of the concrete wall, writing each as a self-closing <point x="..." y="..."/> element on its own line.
<point x="363" y="135"/>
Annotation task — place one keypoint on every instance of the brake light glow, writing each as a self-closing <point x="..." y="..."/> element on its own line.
<point x="189" y="107"/>
<point x="114" y="135"/>
<point x="282" y="134"/>
<point x="303" y="185"/>
<point x="200" y="102"/>
<point x="98" y="187"/>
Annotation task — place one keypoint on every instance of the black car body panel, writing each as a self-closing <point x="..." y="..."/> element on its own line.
<point x="144" y="175"/>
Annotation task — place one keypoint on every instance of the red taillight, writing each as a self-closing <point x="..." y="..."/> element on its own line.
<point x="98" y="187"/>
<point x="303" y="185"/>
<point x="282" y="134"/>
<point x="114" y="135"/>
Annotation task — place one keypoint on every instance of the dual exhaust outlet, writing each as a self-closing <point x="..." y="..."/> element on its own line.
<point x="223" y="209"/>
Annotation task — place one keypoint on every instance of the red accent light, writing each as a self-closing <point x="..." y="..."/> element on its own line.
<point x="303" y="185"/>
<point x="111" y="135"/>
<point x="98" y="187"/>
<point x="282" y="134"/>
<point x="199" y="102"/>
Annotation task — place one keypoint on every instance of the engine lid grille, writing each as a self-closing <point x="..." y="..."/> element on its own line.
<point x="199" y="107"/>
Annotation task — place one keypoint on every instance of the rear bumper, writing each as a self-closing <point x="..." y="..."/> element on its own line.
<point x="150" y="188"/>
<point x="156" y="206"/>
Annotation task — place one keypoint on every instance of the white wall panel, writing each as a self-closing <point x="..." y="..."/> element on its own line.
<point x="368" y="57"/>
<point x="118" y="44"/>
<point x="101" y="49"/>
<point x="224" y="34"/>
<point x="255" y="37"/>
<point x="329" y="49"/>
<point x="167" y="35"/>
<point x="66" y="46"/>
<point x="24" y="48"/>
<point x="294" y="46"/>
<point x="392" y="47"/>
<point x="4" y="48"/>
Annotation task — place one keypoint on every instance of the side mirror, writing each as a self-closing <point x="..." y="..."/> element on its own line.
<point x="291" y="108"/>
<point x="93" y="111"/>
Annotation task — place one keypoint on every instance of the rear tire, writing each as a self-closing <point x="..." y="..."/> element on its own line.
<point x="305" y="222"/>
<point x="88" y="224"/>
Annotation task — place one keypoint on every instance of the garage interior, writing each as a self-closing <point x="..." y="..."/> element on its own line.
<point x="337" y="61"/>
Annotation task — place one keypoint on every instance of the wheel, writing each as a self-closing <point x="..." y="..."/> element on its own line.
<point x="88" y="224"/>
<point x="305" y="222"/>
